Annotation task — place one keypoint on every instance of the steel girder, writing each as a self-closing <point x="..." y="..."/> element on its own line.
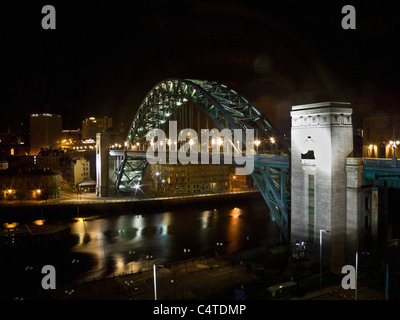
<point x="227" y="109"/>
<point x="222" y="104"/>
<point x="273" y="184"/>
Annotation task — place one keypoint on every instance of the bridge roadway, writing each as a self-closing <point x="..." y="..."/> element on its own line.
<point x="275" y="161"/>
<point x="71" y="198"/>
<point x="385" y="172"/>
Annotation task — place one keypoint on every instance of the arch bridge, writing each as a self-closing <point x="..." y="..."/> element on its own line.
<point x="202" y="104"/>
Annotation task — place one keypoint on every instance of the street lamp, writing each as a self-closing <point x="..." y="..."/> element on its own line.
<point x="272" y="139"/>
<point x="175" y="284"/>
<point x="257" y="143"/>
<point x="69" y="293"/>
<point x="219" y="245"/>
<point x="320" y="257"/>
<point x="131" y="252"/>
<point x="393" y="144"/>
<point x="129" y="284"/>
<point x="186" y="252"/>
<point x="148" y="257"/>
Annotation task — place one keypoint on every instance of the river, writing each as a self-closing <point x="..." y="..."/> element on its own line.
<point x="107" y="245"/>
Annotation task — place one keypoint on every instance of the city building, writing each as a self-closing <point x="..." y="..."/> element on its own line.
<point x="81" y="170"/>
<point x="12" y="142"/>
<point x="50" y="159"/>
<point x="44" y="131"/>
<point x="381" y="135"/>
<point x="70" y="138"/>
<point x="29" y="184"/>
<point x="74" y="166"/>
<point x="93" y="125"/>
<point x="177" y="179"/>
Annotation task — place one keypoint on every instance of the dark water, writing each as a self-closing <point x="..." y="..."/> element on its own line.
<point x="104" y="245"/>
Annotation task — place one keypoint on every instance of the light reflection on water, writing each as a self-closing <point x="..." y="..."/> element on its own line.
<point x="164" y="235"/>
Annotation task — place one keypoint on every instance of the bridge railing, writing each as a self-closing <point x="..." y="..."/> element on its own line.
<point x="381" y="162"/>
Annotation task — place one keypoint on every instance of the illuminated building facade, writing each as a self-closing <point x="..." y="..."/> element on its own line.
<point x="36" y="184"/>
<point x="44" y="131"/>
<point x="93" y="125"/>
<point x="177" y="179"/>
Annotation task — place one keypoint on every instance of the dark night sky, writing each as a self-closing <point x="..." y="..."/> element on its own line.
<point x="104" y="57"/>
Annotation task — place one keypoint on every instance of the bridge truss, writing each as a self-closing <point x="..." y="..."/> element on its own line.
<point x="195" y="103"/>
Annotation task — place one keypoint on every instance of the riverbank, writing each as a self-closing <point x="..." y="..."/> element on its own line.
<point x="86" y="205"/>
<point x="199" y="278"/>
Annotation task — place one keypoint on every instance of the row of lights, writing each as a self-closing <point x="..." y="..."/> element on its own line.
<point x="9" y="191"/>
<point x="389" y="145"/>
<point x="219" y="142"/>
<point x="83" y="147"/>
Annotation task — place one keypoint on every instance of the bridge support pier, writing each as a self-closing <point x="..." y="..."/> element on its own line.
<point x="321" y="140"/>
<point x="362" y="211"/>
<point x="103" y="141"/>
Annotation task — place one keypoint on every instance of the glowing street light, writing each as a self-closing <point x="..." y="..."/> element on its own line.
<point x="219" y="246"/>
<point x="257" y="143"/>
<point x="148" y="258"/>
<point x="393" y="144"/>
<point x="186" y="252"/>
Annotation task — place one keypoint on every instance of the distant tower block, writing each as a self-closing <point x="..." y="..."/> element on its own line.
<point x="322" y="139"/>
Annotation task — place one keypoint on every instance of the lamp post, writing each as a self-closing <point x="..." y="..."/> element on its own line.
<point x="148" y="257"/>
<point x="155" y="281"/>
<point x="131" y="252"/>
<point x="69" y="293"/>
<point x="129" y="284"/>
<point x="219" y="245"/>
<point x="175" y="284"/>
<point x="393" y="144"/>
<point x="186" y="252"/>
<point x="320" y="257"/>
<point x="257" y="143"/>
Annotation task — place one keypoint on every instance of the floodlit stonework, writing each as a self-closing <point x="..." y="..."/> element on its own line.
<point x="322" y="139"/>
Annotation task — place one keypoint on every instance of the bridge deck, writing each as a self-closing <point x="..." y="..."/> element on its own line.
<point x="385" y="172"/>
<point x="277" y="161"/>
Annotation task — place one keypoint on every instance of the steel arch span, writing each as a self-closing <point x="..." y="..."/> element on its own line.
<point x="179" y="99"/>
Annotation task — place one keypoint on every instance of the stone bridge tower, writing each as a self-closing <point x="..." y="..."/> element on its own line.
<point x="321" y="140"/>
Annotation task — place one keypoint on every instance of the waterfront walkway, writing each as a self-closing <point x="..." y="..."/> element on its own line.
<point x="196" y="279"/>
<point x="192" y="279"/>
<point x="69" y="198"/>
